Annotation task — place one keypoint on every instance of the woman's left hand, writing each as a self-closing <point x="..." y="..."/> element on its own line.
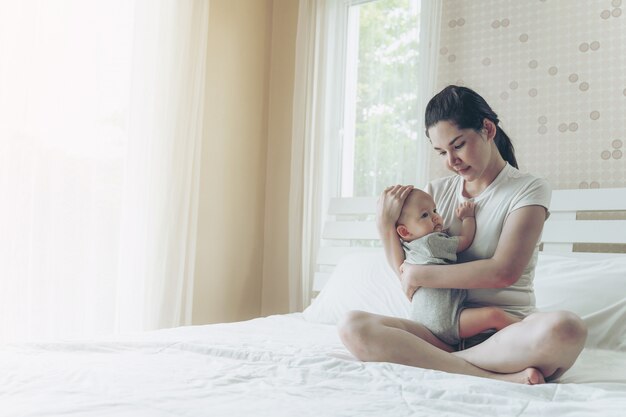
<point x="407" y="278"/>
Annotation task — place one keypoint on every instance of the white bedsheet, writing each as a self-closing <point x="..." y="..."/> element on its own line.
<point x="276" y="366"/>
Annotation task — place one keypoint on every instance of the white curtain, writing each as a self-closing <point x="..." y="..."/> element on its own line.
<point x="101" y="108"/>
<point x="163" y="164"/>
<point x="430" y="32"/>
<point x="318" y="123"/>
<point x="319" y="54"/>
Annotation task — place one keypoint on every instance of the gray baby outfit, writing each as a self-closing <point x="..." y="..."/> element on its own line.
<point x="436" y="308"/>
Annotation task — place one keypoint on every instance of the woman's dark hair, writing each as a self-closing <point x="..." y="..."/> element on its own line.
<point x="467" y="110"/>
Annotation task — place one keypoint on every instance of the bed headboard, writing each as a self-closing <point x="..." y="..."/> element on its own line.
<point x="351" y="226"/>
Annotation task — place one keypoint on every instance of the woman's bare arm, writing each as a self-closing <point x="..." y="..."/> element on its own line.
<point x="388" y="211"/>
<point x="517" y="242"/>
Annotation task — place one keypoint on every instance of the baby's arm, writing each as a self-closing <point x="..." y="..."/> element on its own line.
<point x="465" y="212"/>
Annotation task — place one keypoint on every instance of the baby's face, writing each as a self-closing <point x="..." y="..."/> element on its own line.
<point x="419" y="216"/>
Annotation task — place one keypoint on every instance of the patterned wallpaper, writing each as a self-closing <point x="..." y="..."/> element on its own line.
<point x="555" y="72"/>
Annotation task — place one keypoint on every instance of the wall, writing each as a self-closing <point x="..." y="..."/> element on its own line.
<point x="555" y="72"/>
<point x="229" y="260"/>
<point x="241" y="265"/>
<point x="275" y="293"/>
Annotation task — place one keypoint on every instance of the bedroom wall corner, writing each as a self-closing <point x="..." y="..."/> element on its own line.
<point x="275" y="291"/>
<point x="229" y="258"/>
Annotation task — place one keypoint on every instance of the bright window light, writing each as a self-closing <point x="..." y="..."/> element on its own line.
<point x="380" y="109"/>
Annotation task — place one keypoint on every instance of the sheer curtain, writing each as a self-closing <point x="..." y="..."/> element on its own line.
<point x="100" y="129"/>
<point x="430" y="32"/>
<point x="319" y="53"/>
<point x="163" y="164"/>
<point x="318" y="124"/>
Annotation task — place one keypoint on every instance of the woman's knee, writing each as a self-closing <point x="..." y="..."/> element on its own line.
<point x="352" y="323"/>
<point x="353" y="329"/>
<point x="569" y="327"/>
<point x="562" y="339"/>
<point x="564" y="327"/>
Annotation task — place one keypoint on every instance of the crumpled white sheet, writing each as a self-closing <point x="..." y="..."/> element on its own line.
<point x="275" y="366"/>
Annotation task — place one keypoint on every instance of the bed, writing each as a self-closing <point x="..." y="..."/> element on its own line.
<point x="295" y="365"/>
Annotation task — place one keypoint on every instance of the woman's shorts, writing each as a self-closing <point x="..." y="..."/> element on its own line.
<point x="475" y="340"/>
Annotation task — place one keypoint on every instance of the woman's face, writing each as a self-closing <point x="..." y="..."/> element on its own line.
<point x="465" y="152"/>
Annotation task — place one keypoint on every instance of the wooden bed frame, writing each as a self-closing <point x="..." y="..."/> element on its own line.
<point x="351" y="227"/>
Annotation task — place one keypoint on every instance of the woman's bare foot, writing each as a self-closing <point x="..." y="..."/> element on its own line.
<point x="529" y="376"/>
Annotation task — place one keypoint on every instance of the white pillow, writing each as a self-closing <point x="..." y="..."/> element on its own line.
<point x="361" y="281"/>
<point x="595" y="289"/>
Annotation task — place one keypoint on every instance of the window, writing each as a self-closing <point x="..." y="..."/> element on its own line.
<point x="381" y="117"/>
<point x="364" y="70"/>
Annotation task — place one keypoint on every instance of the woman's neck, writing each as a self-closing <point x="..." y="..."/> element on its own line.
<point x="474" y="188"/>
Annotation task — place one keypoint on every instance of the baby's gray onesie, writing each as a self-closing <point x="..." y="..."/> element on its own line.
<point x="436" y="308"/>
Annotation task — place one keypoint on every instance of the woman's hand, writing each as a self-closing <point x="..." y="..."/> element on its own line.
<point x="388" y="211"/>
<point x="408" y="273"/>
<point x="390" y="205"/>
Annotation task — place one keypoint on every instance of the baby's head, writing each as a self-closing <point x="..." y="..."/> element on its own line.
<point x="419" y="216"/>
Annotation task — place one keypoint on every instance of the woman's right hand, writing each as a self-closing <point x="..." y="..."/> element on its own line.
<point x="390" y="205"/>
<point x="408" y="273"/>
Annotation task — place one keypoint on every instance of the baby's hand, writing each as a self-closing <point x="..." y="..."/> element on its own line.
<point x="465" y="209"/>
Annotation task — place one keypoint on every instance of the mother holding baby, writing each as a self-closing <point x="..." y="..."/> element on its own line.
<point x="497" y="269"/>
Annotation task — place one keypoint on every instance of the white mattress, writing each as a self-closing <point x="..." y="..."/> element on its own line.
<point x="276" y="366"/>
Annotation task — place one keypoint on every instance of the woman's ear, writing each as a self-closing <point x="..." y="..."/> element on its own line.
<point x="490" y="129"/>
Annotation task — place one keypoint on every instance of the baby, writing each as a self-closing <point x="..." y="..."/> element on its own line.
<point x="441" y="309"/>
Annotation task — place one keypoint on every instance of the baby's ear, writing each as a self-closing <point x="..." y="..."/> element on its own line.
<point x="402" y="231"/>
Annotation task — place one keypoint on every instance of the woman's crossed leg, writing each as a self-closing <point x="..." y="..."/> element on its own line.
<point x="542" y="344"/>
<point x="549" y="342"/>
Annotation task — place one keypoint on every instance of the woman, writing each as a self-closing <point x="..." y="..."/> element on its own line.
<point x="497" y="269"/>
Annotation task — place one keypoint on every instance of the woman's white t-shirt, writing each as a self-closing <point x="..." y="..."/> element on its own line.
<point x="509" y="191"/>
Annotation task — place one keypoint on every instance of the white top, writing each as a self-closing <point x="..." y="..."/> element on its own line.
<point x="509" y="191"/>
